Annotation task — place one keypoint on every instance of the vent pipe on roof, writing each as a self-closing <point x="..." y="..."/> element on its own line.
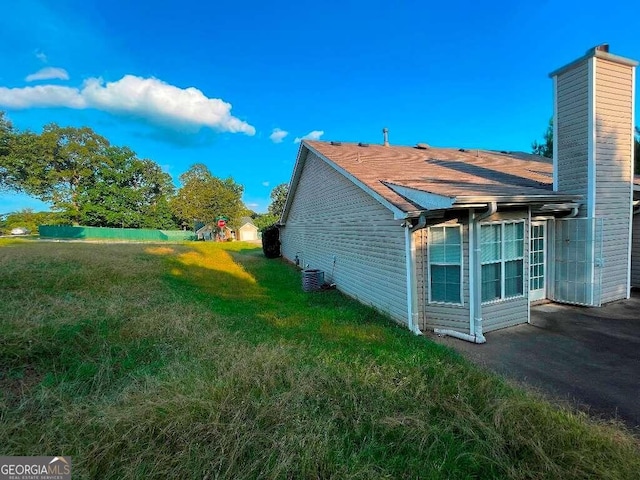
<point x="385" y="133"/>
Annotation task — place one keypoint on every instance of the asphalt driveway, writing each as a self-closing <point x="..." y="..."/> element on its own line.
<point x="587" y="356"/>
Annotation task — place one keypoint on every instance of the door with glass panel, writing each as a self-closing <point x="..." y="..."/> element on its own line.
<point x="538" y="261"/>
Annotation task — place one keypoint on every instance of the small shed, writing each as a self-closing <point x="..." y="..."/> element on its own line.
<point x="247" y="232"/>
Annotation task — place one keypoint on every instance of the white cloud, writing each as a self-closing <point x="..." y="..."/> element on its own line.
<point x="41" y="96"/>
<point x="278" y="135"/>
<point x="253" y="205"/>
<point x="265" y="184"/>
<point x="313" y="135"/>
<point x="147" y="98"/>
<point x="160" y="102"/>
<point x="48" y="73"/>
<point x="40" y="56"/>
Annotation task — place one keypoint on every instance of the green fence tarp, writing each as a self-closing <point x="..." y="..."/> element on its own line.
<point x="103" y="233"/>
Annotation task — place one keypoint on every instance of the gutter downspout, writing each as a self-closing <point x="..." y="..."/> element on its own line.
<point x="574" y="212"/>
<point x="412" y="281"/>
<point x="475" y="334"/>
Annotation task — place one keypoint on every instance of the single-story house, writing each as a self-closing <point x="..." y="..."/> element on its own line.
<point x="462" y="241"/>
<point x="211" y="231"/>
<point x="247" y="232"/>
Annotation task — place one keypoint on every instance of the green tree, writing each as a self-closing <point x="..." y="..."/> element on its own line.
<point x="545" y="149"/>
<point x="71" y="157"/>
<point x="202" y="197"/>
<point x="6" y="134"/>
<point x="53" y="166"/>
<point x="125" y="191"/>
<point x="13" y="170"/>
<point x="278" y="199"/>
<point x="31" y="220"/>
<point x="265" y="220"/>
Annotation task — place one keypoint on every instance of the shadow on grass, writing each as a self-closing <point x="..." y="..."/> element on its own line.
<point x="263" y="300"/>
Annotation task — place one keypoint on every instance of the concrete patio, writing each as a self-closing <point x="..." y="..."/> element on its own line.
<point x="587" y="356"/>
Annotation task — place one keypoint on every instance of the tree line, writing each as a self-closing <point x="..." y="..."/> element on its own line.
<point x="88" y="181"/>
<point x="545" y="147"/>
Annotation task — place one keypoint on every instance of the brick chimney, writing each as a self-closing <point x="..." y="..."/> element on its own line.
<point x="593" y="122"/>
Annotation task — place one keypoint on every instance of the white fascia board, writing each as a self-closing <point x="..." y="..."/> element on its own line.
<point x="591" y="142"/>
<point x="555" y="133"/>
<point x="397" y="213"/>
<point x="633" y="187"/>
<point x="428" y="201"/>
<point x="591" y="163"/>
<point x="293" y="183"/>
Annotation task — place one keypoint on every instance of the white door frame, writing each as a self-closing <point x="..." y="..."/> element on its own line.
<point x="539" y="276"/>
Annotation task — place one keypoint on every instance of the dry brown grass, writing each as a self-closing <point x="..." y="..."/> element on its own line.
<point x="207" y="361"/>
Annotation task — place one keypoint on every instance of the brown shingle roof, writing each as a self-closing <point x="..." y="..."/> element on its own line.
<point x="461" y="175"/>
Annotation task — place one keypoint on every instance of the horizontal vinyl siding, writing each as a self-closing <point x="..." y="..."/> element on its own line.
<point x="572" y="98"/>
<point x="613" y="151"/>
<point x="422" y="282"/>
<point x="330" y="216"/>
<point x="635" y="253"/>
<point x="505" y="314"/>
<point x="438" y="315"/>
<point x="512" y="311"/>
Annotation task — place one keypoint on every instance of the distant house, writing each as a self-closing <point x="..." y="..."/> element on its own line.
<point x="247" y="232"/>
<point x="212" y="232"/>
<point x="462" y="240"/>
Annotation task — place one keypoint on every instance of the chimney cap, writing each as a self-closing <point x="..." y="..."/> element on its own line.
<point x="603" y="47"/>
<point x="599" y="51"/>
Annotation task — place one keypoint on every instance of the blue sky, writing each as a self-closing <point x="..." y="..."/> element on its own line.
<point x="211" y="82"/>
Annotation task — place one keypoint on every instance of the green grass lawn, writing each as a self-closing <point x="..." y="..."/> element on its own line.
<point x="207" y="361"/>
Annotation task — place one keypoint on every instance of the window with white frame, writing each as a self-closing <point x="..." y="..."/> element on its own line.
<point x="502" y="257"/>
<point x="445" y="264"/>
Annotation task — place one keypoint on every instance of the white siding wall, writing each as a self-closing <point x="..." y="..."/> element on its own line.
<point x="331" y="217"/>
<point x="635" y="253"/>
<point x="247" y="233"/>
<point x="573" y="130"/>
<point x="435" y="315"/>
<point x="514" y="311"/>
<point x="613" y="155"/>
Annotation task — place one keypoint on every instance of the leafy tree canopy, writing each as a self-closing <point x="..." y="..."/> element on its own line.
<point x="86" y="178"/>
<point x="636" y="151"/>
<point x="278" y="199"/>
<point x="126" y="191"/>
<point x="544" y="149"/>
<point x="265" y="220"/>
<point x="203" y="197"/>
<point x="29" y="219"/>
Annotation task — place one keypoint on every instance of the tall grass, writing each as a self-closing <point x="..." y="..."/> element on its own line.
<point x="207" y="361"/>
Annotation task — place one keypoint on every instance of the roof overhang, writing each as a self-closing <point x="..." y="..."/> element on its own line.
<point x="303" y="151"/>
<point x="514" y="200"/>
<point x="429" y="201"/>
<point x="426" y="200"/>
